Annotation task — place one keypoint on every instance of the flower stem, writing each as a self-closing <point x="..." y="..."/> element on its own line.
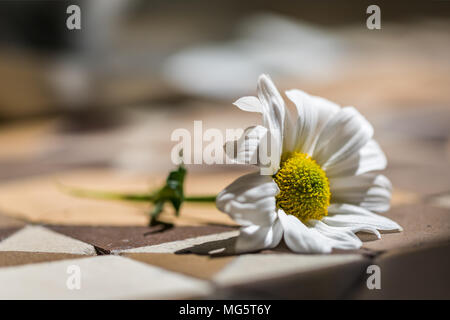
<point x="200" y="199"/>
<point x="136" y="197"/>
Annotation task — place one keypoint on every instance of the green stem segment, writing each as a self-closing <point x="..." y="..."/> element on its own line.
<point x="137" y="197"/>
<point x="200" y="199"/>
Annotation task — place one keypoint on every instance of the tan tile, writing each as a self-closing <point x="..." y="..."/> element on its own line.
<point x="25" y="141"/>
<point x="40" y="199"/>
<point x="16" y="258"/>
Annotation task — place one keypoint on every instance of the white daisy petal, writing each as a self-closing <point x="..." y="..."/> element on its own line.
<point x="370" y="191"/>
<point x="255" y="237"/>
<point x="273" y="118"/>
<point x="339" y="238"/>
<point x="343" y="135"/>
<point x="272" y="103"/>
<point x="301" y="239"/>
<point x="250" y="200"/>
<point x="312" y="113"/>
<point x="250" y="104"/>
<point x="347" y="215"/>
<point x="369" y="158"/>
<point x="245" y="150"/>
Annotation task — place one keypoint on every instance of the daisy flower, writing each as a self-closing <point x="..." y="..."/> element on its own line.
<point x="318" y="189"/>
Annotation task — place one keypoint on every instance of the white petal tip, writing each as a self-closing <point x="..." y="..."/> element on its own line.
<point x="263" y="77"/>
<point x="264" y="80"/>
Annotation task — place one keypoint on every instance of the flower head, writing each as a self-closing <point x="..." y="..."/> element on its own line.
<point x="318" y="189"/>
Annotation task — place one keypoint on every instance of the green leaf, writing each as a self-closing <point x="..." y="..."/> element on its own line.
<point x="172" y="192"/>
<point x="159" y="205"/>
<point x="175" y="182"/>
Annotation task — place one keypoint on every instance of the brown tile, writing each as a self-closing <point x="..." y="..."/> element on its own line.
<point x="107" y="239"/>
<point x="411" y="274"/>
<point x="423" y="225"/>
<point x="16" y="258"/>
<point x="202" y="267"/>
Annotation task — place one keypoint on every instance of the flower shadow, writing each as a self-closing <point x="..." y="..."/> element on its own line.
<point x="216" y="248"/>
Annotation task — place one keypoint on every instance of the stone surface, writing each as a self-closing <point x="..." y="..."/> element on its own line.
<point x="422" y="225"/>
<point x="8" y="222"/>
<point x="8" y="226"/>
<point x="16" y="258"/>
<point x="104" y="277"/>
<point x="115" y="239"/>
<point x="290" y="276"/>
<point x="425" y="180"/>
<point x="41" y="200"/>
<point x="200" y="245"/>
<point x="442" y="200"/>
<point x="411" y="274"/>
<point x="40" y="239"/>
<point x="254" y="267"/>
<point x="6" y="232"/>
<point x="202" y="267"/>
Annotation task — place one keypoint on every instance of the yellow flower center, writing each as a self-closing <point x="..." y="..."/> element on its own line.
<point x="304" y="187"/>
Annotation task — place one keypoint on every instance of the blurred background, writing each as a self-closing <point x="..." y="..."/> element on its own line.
<point x="111" y="93"/>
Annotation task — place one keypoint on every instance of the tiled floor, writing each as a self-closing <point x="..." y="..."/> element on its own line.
<point x="186" y="261"/>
